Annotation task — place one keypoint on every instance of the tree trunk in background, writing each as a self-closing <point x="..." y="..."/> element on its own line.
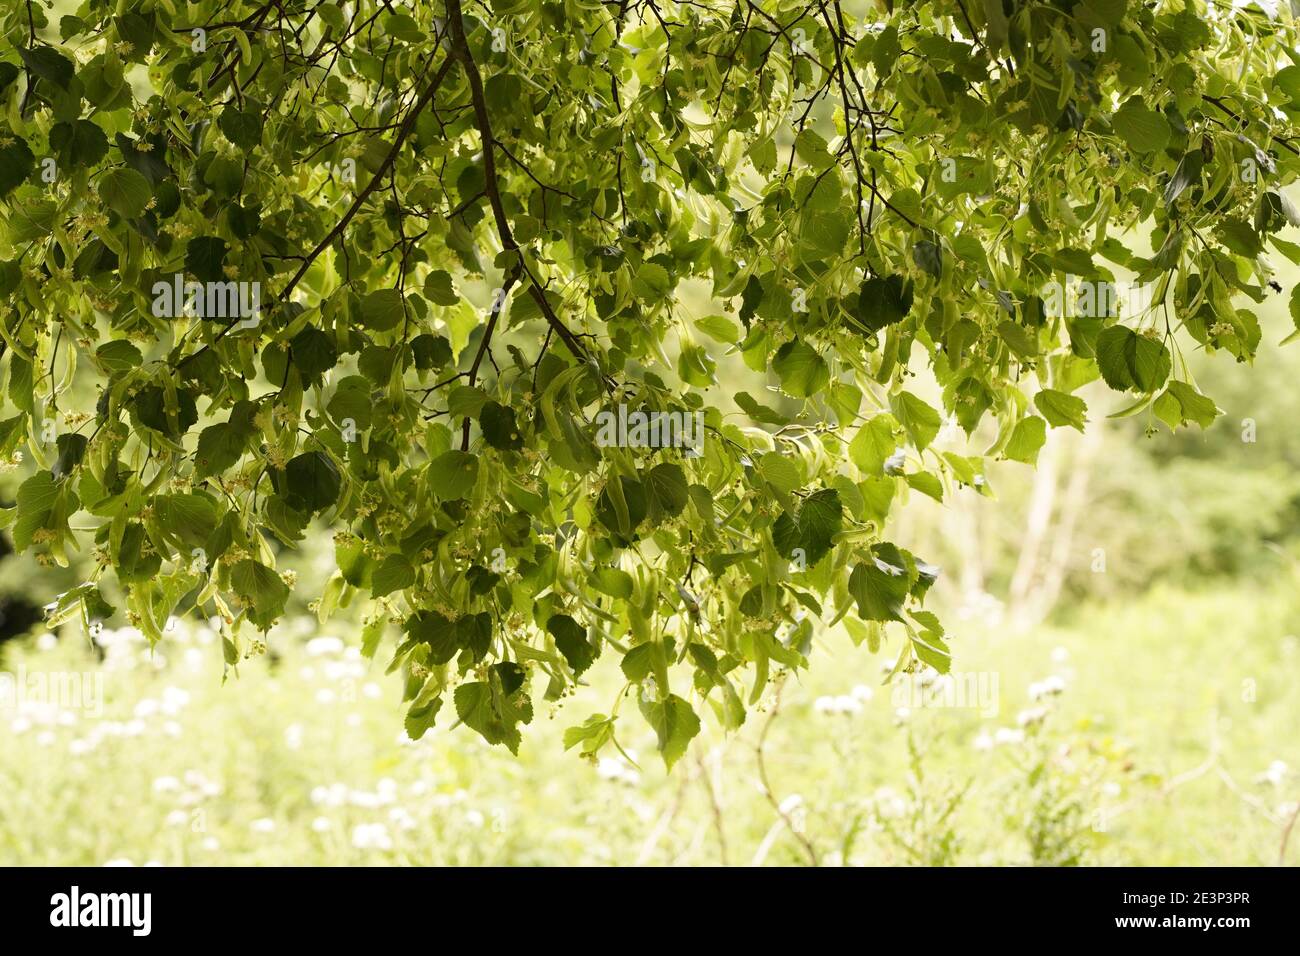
<point x="1059" y="494"/>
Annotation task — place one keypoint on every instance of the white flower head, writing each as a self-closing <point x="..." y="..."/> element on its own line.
<point x="371" y="836"/>
<point x="1031" y="716"/>
<point x="324" y="646"/>
<point x="1275" y="774"/>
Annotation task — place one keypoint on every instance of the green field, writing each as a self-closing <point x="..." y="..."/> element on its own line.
<point x="1150" y="755"/>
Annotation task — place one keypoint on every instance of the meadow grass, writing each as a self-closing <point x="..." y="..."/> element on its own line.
<point x="1152" y="732"/>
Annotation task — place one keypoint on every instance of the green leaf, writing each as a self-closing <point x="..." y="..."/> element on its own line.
<point x="1027" y="439"/>
<point x="48" y="64"/>
<point x="665" y="485"/>
<point x="420" y="718"/>
<point x="439" y="633"/>
<point x="80" y="144"/>
<point x="1187" y="173"/>
<point x="261" y="590"/>
<point x="220" y="447"/>
<point x="1239" y="237"/>
<point x="696" y="367"/>
<point x="926" y="483"/>
<point x="812" y="530"/>
<point x="438" y="288"/>
<point x="929" y="645"/>
<point x="919" y="420"/>
<point x="612" y="581"/>
<point x="382" y="310"/>
<point x="1189" y="405"/>
<point x="205" y="258"/>
<point x="313" y="481"/>
<point x="883" y="301"/>
<point x="394" y="574"/>
<point x="675" y="725"/>
<point x="880" y="585"/>
<point x="1060" y="409"/>
<point x="243" y="128"/>
<point x="118" y="356"/>
<point x="71" y="450"/>
<point x="126" y="191"/>
<point x="452" y="474"/>
<point x="499" y="427"/>
<point x="36" y="497"/>
<point x="779" y="471"/>
<point x="571" y="640"/>
<point x="1142" y="129"/>
<point x="594" y="732"/>
<point x="758" y="411"/>
<point x="801" y="368"/>
<point x="1128" y="360"/>
<point x="351" y="400"/>
<point x="719" y="328"/>
<point x="16" y="164"/>
<point x="152" y="410"/>
<point x="874" y="444"/>
<point x="12" y="430"/>
<point x="928" y="257"/>
<point x="652" y="280"/>
<point x="495" y="707"/>
<point x="313" y="353"/>
<point x="997" y="25"/>
<point x="187" y="520"/>
<point x="431" y="351"/>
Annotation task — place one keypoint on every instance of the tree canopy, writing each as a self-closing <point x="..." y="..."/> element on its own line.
<point x="414" y="272"/>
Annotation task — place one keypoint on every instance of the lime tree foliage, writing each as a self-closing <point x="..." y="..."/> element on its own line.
<point x="383" y="267"/>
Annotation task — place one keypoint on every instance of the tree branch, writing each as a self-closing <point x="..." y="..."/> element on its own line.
<point x="408" y="124"/>
<point x="460" y="49"/>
